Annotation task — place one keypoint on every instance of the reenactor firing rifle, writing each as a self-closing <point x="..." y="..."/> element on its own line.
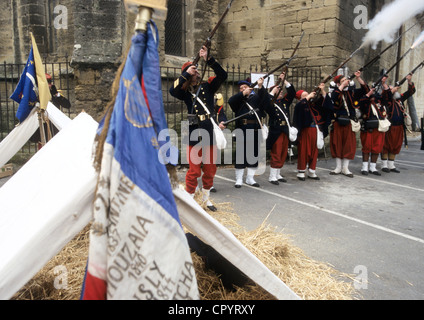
<point x="254" y="111"/>
<point x="207" y="44"/>
<point x="330" y="76"/>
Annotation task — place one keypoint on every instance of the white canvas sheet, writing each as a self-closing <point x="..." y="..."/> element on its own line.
<point x="222" y="240"/>
<point x="16" y="139"/>
<point x="46" y="203"/>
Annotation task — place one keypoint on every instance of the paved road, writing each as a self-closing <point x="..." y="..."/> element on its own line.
<point x="369" y="226"/>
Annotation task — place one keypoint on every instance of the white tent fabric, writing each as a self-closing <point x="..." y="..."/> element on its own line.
<point x="213" y="233"/>
<point x="46" y="203"/>
<point x="15" y="140"/>
<point x="59" y="119"/>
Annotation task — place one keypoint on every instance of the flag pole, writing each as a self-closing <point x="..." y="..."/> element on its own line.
<point x="44" y="95"/>
<point x="40" y="113"/>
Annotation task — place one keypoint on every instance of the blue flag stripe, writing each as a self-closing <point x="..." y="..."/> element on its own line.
<point x="137" y="148"/>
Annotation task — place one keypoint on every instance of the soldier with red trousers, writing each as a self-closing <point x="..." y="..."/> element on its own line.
<point x="308" y="113"/>
<point x="373" y="108"/>
<point x="396" y="115"/>
<point x="279" y="122"/>
<point x="202" y="151"/>
<point x="345" y="100"/>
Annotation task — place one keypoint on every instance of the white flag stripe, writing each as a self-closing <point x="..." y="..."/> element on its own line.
<point x="144" y="253"/>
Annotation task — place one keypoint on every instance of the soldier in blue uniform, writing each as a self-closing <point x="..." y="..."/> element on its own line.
<point x="279" y="122"/>
<point x="308" y="114"/>
<point x="198" y="97"/>
<point x="247" y="140"/>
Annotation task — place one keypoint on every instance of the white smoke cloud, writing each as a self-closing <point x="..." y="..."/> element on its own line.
<point x="387" y="22"/>
<point x="419" y="40"/>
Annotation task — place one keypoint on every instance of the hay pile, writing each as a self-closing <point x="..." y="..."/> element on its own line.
<point x="310" y="279"/>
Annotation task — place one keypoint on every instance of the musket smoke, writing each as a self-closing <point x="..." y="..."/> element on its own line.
<point x="419" y="40"/>
<point x="387" y="22"/>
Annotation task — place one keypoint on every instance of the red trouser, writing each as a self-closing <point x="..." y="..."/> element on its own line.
<point x="307" y="151"/>
<point x="394" y="139"/>
<point x="342" y="142"/>
<point x="200" y="158"/>
<point x="279" y="151"/>
<point x="372" y="142"/>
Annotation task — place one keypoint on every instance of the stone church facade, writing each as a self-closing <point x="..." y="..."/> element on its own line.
<point x="94" y="34"/>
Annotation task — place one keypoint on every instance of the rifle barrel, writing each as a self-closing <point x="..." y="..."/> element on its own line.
<point x="376" y="58"/>
<point x="285" y="68"/>
<point x="208" y="40"/>
<point x="239" y="117"/>
<point x="335" y="71"/>
<point x="391" y="68"/>
<point x="272" y="71"/>
<point x="401" y="82"/>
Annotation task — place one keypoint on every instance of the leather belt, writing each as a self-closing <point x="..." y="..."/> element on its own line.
<point x="245" y="121"/>
<point x="194" y="119"/>
<point x="280" y="123"/>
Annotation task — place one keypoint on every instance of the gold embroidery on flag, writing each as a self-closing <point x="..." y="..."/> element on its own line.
<point x="138" y="118"/>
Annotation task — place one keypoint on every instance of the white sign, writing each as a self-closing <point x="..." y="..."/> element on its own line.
<point x="268" y="82"/>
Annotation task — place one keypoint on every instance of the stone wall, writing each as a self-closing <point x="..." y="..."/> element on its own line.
<point x="254" y="33"/>
<point x="266" y="32"/>
<point x="6" y="33"/>
<point x="99" y="36"/>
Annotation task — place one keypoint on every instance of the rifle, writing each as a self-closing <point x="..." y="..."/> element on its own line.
<point x="274" y="70"/>
<point x="241" y="116"/>
<point x="376" y="58"/>
<point x="330" y="76"/>
<point x="207" y="45"/>
<point x="391" y="68"/>
<point x="285" y="69"/>
<point x="401" y="82"/>
<point x="209" y="39"/>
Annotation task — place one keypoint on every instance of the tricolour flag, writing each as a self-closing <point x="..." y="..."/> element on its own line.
<point x="32" y="86"/>
<point x="138" y="249"/>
